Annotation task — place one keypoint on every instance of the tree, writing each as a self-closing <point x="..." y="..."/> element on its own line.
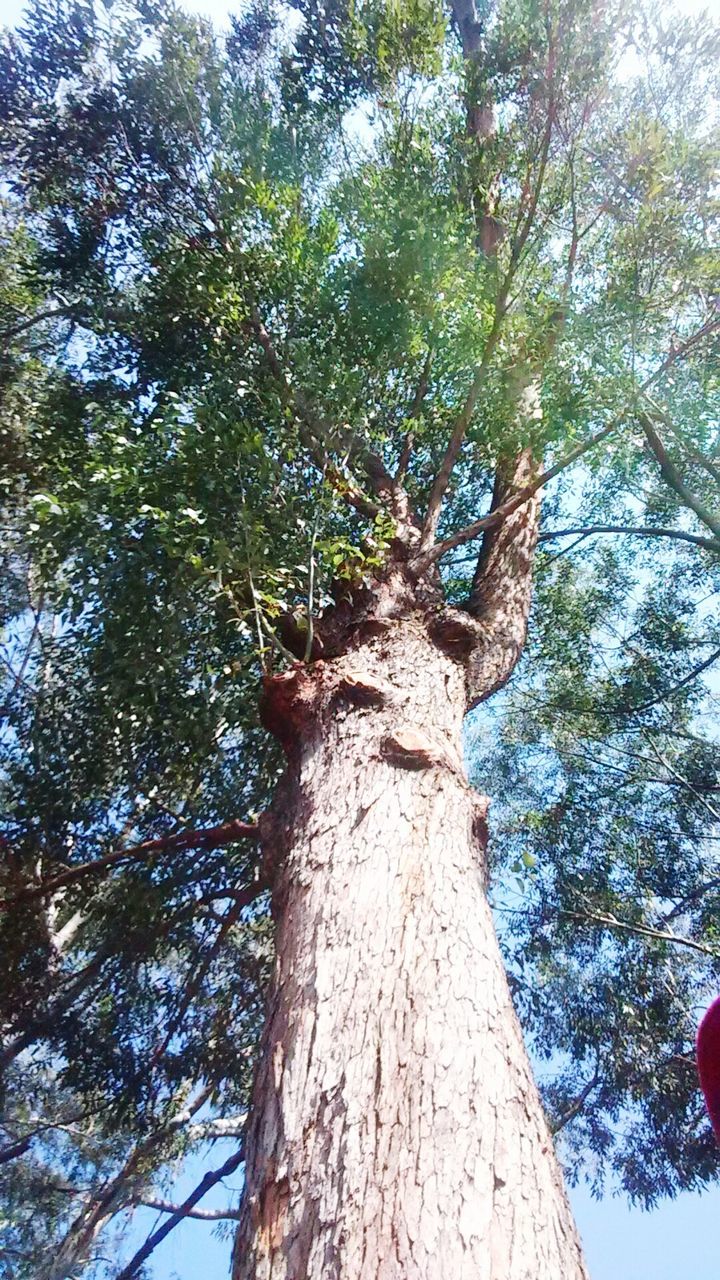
<point x="300" y="324"/>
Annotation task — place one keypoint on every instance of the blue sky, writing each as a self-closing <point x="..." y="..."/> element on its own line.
<point x="676" y="1241"/>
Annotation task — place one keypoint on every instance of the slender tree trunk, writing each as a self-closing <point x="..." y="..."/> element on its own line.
<point x="396" y="1131"/>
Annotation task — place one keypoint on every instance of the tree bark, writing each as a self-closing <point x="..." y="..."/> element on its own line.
<point x="502" y="583"/>
<point x="396" y="1132"/>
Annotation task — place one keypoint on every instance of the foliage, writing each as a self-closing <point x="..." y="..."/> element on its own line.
<point x="234" y="268"/>
<point x="604" y="761"/>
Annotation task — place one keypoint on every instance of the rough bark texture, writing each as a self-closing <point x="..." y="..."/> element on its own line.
<point x="396" y="1131"/>
<point x="502" y="584"/>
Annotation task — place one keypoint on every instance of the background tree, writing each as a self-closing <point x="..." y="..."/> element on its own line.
<point x="298" y="324"/>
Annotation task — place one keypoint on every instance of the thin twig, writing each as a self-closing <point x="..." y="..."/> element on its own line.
<point x="576" y="1106"/>
<point x="609" y="921"/>
<point x="662" y="697"/>
<point x="311" y="586"/>
<point x="409" y="441"/>
<point x="501" y="513"/>
<point x="643" y="531"/>
<point x="319" y="433"/>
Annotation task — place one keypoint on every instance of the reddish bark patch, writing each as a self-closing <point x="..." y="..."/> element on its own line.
<point x="276" y="1197"/>
<point x="288" y="702"/>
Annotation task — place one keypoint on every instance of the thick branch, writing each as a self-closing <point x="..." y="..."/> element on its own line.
<point x="688" y="901"/>
<point x="220" y="1127"/>
<point x="707" y="464"/>
<point x="470" y="30"/>
<point x="674" y="479"/>
<point x="50" y="313"/>
<point x="211" y="838"/>
<point x="16" y="1149"/>
<point x="502" y="584"/>
<point x="466" y="18"/>
<point x="176" y="1217"/>
<point x="491" y="631"/>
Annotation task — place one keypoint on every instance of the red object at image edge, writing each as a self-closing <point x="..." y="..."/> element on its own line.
<point x="708" y="1061"/>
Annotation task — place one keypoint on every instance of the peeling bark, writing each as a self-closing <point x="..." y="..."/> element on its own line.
<point x="396" y="1132"/>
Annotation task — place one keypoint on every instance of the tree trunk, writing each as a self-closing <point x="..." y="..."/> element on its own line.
<point x="396" y="1132"/>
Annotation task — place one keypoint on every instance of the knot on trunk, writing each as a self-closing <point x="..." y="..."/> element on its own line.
<point x="409" y="748"/>
<point x="289" y="701"/>
<point x="455" y="632"/>
<point x="362" y="689"/>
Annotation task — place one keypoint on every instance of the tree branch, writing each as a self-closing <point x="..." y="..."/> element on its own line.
<point x="200" y="967"/>
<point x="644" y="531"/>
<point x="681" y="907"/>
<point x="16" y="1149"/>
<point x="211" y="838"/>
<point x="469" y="27"/>
<point x="662" y="697"/>
<point x="420" y="393"/>
<point x="462" y="422"/>
<point x="699" y="796"/>
<point x="178" y="1214"/>
<point x="496" y="517"/>
<point x="681" y="350"/>
<point x="19" y="676"/>
<point x="323" y="433"/>
<point x="674" y="479"/>
<point x="608" y="921"/>
<point x="521" y="241"/>
<point x="6" y="335"/>
<point x="204" y="1215"/>
<point x="576" y="1106"/>
<point x="662" y="416"/>
<point x="116" y="1193"/>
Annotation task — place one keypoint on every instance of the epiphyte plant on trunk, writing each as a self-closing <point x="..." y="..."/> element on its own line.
<point x="303" y="320"/>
